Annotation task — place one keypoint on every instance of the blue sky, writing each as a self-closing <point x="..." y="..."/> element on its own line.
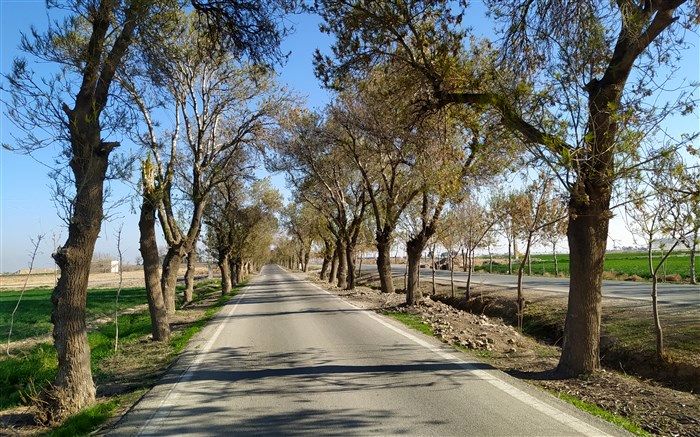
<point x="26" y="208"/>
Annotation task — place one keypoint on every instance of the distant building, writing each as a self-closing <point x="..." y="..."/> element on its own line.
<point x="104" y="266"/>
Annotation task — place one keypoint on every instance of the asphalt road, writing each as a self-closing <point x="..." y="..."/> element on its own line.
<point x="287" y="358"/>
<point x="670" y="294"/>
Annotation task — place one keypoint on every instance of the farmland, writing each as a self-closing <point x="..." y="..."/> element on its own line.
<point x="618" y="265"/>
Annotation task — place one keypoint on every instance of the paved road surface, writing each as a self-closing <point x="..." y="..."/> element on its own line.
<point x="285" y="357"/>
<point x="672" y="294"/>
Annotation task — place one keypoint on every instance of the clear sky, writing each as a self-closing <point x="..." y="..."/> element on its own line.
<point x="26" y="207"/>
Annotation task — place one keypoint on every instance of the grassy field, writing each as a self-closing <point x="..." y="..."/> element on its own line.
<point x="33" y="315"/>
<point x="28" y="370"/>
<point x="624" y="264"/>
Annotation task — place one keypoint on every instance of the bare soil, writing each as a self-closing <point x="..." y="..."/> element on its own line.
<point x="657" y="409"/>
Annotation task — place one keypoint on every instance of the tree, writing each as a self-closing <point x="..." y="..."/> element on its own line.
<point x="320" y="173"/>
<point x="553" y="233"/>
<point x="302" y="222"/>
<point x="449" y="237"/>
<point x="476" y="222"/>
<point x="566" y="82"/>
<point x="74" y="108"/>
<point x="222" y="107"/>
<point x="537" y="206"/>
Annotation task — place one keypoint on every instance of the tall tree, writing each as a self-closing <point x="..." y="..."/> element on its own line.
<point x="74" y="108"/>
<point x="567" y="85"/>
<point x="320" y="173"/>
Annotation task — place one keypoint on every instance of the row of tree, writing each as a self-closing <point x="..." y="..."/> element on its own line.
<point x="192" y="86"/>
<point x="425" y="111"/>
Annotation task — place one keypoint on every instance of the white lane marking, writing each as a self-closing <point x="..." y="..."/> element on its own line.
<point x="168" y="401"/>
<point x="490" y="377"/>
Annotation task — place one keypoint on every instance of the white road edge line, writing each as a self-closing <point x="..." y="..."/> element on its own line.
<point x="556" y="414"/>
<point x="161" y="413"/>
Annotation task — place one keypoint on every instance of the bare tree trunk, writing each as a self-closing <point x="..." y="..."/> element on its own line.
<point x="490" y="260"/>
<point x="307" y="257"/>
<point x="341" y="275"/>
<point x="168" y="281"/>
<point x="587" y="234"/>
<point x="350" y="268"/>
<point x="225" y="269"/>
<point x="660" y="354"/>
<point x="324" y="267"/>
<point x="414" y="249"/>
<point x="433" y="269"/>
<point x="232" y="269"/>
<point x="556" y="263"/>
<point x="239" y="270"/>
<point x="384" y="263"/>
<point x="334" y="265"/>
<point x="359" y="269"/>
<point x="520" y="301"/>
<point x="510" y="259"/>
<point x="452" y="274"/>
<point x="148" y="246"/>
<point x="465" y="255"/>
<point x="468" y="291"/>
<point x="189" y="275"/>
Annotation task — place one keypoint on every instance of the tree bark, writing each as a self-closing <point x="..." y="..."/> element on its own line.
<point x="333" y="274"/>
<point x="148" y="246"/>
<point x="452" y="274"/>
<point x="232" y="270"/>
<point x="556" y="263"/>
<point x="520" y="301"/>
<point x="350" y="268"/>
<point x="342" y="274"/>
<point x="324" y="267"/>
<point x="168" y="280"/>
<point x="307" y="257"/>
<point x="490" y="260"/>
<point x="587" y="235"/>
<point x="225" y="269"/>
<point x="73" y="387"/>
<point x="510" y="259"/>
<point x="433" y="269"/>
<point x="239" y="270"/>
<point x="414" y="249"/>
<point x="468" y="291"/>
<point x="384" y="263"/>
<point x="189" y="275"/>
<point x="359" y="268"/>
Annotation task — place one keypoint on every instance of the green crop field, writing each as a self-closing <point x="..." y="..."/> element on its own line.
<point x="33" y="316"/>
<point x="623" y="264"/>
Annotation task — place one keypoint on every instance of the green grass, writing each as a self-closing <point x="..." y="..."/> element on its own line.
<point x="87" y="420"/>
<point x="413" y="321"/>
<point x="606" y="415"/>
<point x="33" y="315"/>
<point x="30" y="370"/>
<point x="624" y="263"/>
